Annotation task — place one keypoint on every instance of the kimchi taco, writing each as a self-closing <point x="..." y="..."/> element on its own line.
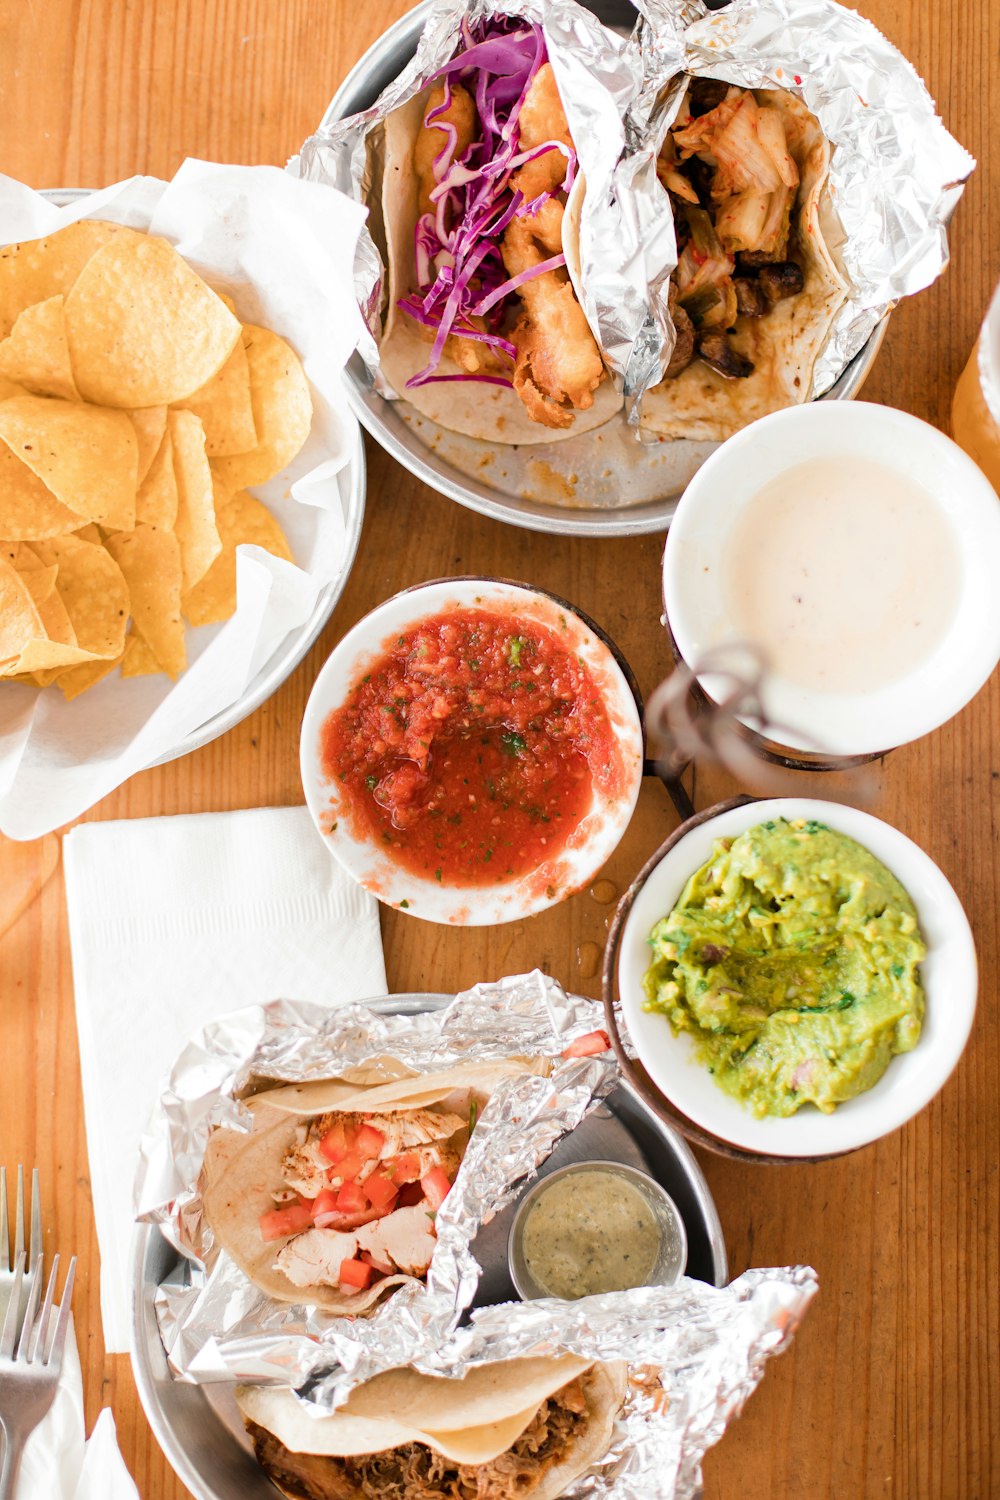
<point x="331" y="1196"/>
<point x="485" y="331"/>
<point x="757" y="287"/>
<point x="520" y="1429"/>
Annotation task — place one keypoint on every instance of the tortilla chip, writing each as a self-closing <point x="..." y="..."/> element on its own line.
<point x="241" y="519"/>
<point x="76" y="680"/>
<point x="28" y="508"/>
<point x="36" y="355"/>
<point x="139" y="660"/>
<point x="43" y="655"/>
<point x="86" y="456"/>
<point x="56" y="622"/>
<point x="282" y="411"/>
<point x="23" y="557"/>
<point x="35" y="270"/>
<point x="196" y="530"/>
<point x="150" y="559"/>
<point x="150" y="423"/>
<point x="20" y="621"/>
<point x="225" y="408"/>
<point x="90" y="533"/>
<point x="143" y="328"/>
<point x="93" y="590"/>
<point x="156" y="502"/>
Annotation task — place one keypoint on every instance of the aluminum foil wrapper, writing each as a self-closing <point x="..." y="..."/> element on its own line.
<point x="895" y="174"/>
<point x="694" y="1354"/>
<point x="215" y="1324"/>
<point x="624" y="235"/>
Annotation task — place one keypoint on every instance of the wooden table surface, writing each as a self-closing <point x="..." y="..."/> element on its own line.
<point x="893" y="1385"/>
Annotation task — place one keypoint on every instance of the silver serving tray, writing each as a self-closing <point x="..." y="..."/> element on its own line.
<point x="602" y="483"/>
<point x="199" y="1427"/>
<point x="286" y="657"/>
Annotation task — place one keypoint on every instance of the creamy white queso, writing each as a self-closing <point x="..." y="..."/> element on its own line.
<point x="844" y="573"/>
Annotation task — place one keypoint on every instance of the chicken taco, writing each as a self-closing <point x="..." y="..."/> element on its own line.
<point x="485" y="332"/>
<point x="519" y="1429"/>
<point x="331" y="1197"/>
<point x="756" y="287"/>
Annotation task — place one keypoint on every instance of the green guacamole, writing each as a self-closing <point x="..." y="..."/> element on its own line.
<point x="791" y="958"/>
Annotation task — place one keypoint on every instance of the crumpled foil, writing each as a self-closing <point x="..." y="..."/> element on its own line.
<point x="695" y="1353"/>
<point x="895" y="174"/>
<point x="215" y="1324"/>
<point x="625" y="235"/>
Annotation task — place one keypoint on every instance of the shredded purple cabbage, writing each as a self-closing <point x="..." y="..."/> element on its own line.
<point x="461" y="276"/>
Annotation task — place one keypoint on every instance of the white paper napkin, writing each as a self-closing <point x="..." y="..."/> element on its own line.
<point x="174" y="922"/>
<point x="284" y="250"/>
<point x="57" y="1463"/>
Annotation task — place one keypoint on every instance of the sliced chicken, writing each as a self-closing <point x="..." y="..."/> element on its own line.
<point x="313" y="1258"/>
<point x="305" y="1168"/>
<point x="405" y="1237"/>
<point x="416" y="1127"/>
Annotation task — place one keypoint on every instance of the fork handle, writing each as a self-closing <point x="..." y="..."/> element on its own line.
<point x="13" y="1447"/>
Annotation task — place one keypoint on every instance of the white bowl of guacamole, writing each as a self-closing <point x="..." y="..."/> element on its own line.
<point x="797" y="977"/>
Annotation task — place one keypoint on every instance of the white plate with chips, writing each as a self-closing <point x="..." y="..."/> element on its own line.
<point x="227" y="226"/>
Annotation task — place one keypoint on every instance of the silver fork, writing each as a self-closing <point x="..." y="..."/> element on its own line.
<point x="30" y="1360"/>
<point x="8" y="1255"/>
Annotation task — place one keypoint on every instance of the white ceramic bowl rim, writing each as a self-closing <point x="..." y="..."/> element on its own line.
<point x="844" y="724"/>
<point x="590" y="844"/>
<point x="949" y="976"/>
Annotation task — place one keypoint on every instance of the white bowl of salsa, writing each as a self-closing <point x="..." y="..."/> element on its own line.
<point x="472" y="751"/>
<point x="857" y="548"/>
<point x="947" y="974"/>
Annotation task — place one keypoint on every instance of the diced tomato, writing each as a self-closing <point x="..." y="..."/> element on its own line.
<point x="585" y="1046"/>
<point x="405" y="1168"/>
<point x="368" y="1142"/>
<point x="280" y="1222"/>
<point x="337" y="1142"/>
<point x="384" y="1267"/>
<point x="356" y="1273"/>
<point x="410" y="1194"/>
<point x="436" y="1186"/>
<point x="349" y="1166"/>
<point x="380" y="1189"/>
<point x="352" y="1199"/>
<point x="325" y="1202"/>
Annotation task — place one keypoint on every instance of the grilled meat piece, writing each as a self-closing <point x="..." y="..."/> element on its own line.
<point x="750" y="299"/>
<point x="716" y="350"/>
<point x="683" y="352"/>
<point x="415" y="1472"/>
<point x="784" y="279"/>
<point x="705" y="94"/>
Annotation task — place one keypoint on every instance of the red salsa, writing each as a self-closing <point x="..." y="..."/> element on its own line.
<point x="472" y="747"/>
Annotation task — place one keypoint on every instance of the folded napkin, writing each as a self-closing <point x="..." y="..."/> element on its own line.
<point x="173" y="922"/>
<point x="57" y="1463"/>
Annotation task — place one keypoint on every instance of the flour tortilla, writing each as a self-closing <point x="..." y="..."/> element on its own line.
<point x="491" y="413"/>
<point x="498" y="1402"/>
<point x="703" y="405"/>
<point x="242" y="1170"/>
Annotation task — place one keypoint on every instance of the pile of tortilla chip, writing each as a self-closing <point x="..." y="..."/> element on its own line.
<point x="134" y="409"/>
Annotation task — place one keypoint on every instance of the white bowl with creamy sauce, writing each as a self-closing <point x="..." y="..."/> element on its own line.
<point x="948" y="975"/>
<point x="857" y="548"/>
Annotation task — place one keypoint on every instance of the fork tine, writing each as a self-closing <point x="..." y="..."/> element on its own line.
<point x="25" y="1344"/>
<point x="12" y="1320"/>
<point x="35" y="1240"/>
<point x="55" y="1351"/>
<point x="19" y="1215"/>
<point x="5" y="1264"/>
<point x="37" y="1346"/>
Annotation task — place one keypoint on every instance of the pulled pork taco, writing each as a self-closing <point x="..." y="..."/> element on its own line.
<point x="330" y="1199"/>
<point x="756" y="287"/>
<point x="485" y="333"/>
<point x="520" y="1429"/>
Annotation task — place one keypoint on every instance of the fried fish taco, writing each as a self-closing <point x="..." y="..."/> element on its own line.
<point x="330" y="1198"/>
<point x="756" y="288"/>
<point x="485" y="332"/>
<point x="520" y="1429"/>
